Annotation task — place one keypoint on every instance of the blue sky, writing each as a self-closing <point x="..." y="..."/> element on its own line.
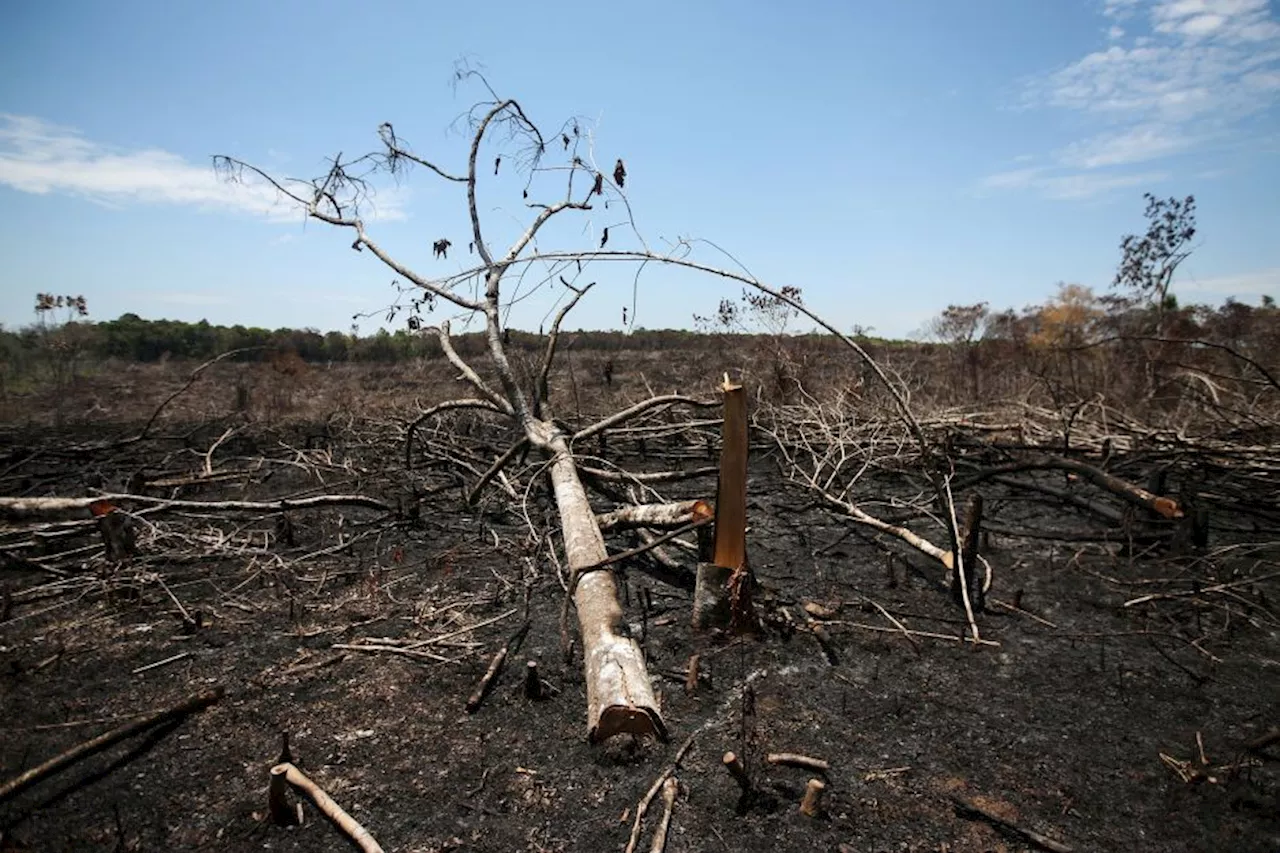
<point x="888" y="158"/>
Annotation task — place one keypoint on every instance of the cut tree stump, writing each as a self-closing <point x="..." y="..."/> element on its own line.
<point x="712" y="599"/>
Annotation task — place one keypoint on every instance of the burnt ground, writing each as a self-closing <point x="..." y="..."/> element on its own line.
<point x="1076" y="725"/>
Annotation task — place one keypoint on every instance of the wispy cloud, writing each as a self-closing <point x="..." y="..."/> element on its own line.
<point x="1255" y="283"/>
<point x="1072" y="186"/>
<point x="1174" y="77"/>
<point x="39" y="157"/>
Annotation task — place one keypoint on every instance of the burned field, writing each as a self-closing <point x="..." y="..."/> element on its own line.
<point x="1120" y="694"/>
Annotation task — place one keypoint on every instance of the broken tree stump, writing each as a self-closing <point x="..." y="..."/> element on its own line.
<point x="964" y="572"/>
<point x="712" y="599"/>
<point x="811" y="805"/>
<point x="738" y="771"/>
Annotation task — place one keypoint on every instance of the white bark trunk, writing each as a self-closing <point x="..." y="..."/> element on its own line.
<point x="620" y="697"/>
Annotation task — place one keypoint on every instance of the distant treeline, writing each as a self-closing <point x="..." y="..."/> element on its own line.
<point x="132" y="338"/>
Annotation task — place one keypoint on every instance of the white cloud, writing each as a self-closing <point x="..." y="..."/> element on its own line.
<point x="1178" y="77"/>
<point x="1133" y="145"/>
<point x="1255" y="283"/>
<point x="1071" y="186"/>
<point x="41" y="158"/>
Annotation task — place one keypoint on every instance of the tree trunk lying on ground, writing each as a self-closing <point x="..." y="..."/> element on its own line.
<point x="619" y="695"/>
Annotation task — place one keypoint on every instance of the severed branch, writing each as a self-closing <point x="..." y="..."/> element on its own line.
<point x="657" y="516"/>
<point x="792" y="759"/>
<point x="971" y="810"/>
<point x="331" y="810"/>
<point x="91" y="747"/>
<point x="541" y="394"/>
<point x="1135" y="495"/>
<point x="1102" y="510"/>
<point x="643" y="806"/>
<point x="448" y="405"/>
<point x="46" y="509"/>
<point x="638" y="409"/>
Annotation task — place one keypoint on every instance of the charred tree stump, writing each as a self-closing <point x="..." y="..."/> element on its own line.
<point x="964" y="572"/>
<point x="118" y="534"/>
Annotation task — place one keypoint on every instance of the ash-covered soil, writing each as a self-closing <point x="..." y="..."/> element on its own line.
<point x="1084" y="720"/>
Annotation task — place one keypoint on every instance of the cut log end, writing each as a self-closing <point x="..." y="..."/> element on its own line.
<point x="1166" y="507"/>
<point x="622" y="719"/>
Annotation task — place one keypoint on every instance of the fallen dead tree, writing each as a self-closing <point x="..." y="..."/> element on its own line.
<point x="20" y="783"/>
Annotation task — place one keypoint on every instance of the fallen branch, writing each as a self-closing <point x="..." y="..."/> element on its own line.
<point x="447" y="405"/>
<point x="930" y="634"/>
<point x="972" y="810"/>
<point x="643" y="805"/>
<point x="172" y="659"/>
<point x="92" y="747"/>
<point x="496" y="468"/>
<point x="495" y="668"/>
<point x="339" y="818"/>
<point x="1135" y="495"/>
<point x="45" y="509"/>
<point x="648" y="546"/>
<point x="420" y="654"/>
<point x="791" y="759"/>
<point x="643" y="406"/>
<point x="659" y="516"/>
<point x="1263" y="741"/>
<point x="191" y="380"/>
<point x="649" y="477"/>
<point x="669" y="790"/>
<point x="960" y="578"/>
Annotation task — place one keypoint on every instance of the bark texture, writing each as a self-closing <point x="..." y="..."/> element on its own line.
<point x="620" y="697"/>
